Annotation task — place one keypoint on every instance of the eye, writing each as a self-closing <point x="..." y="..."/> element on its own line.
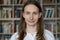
<point x="27" y="13"/>
<point x="35" y="13"/>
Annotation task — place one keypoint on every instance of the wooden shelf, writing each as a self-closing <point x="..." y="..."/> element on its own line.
<point x="14" y="7"/>
<point x="49" y="4"/>
<point x="58" y="18"/>
<point x="5" y="33"/>
<point x="50" y="18"/>
<point x="58" y="3"/>
<point x="19" y="18"/>
<point x="18" y="4"/>
<point x="6" y="4"/>
<point x="9" y="18"/>
<point x="58" y="32"/>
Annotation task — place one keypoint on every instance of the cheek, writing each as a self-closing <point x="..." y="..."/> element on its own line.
<point x="26" y="18"/>
<point x="36" y="17"/>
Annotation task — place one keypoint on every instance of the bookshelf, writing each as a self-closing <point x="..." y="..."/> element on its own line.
<point x="10" y="15"/>
<point x="51" y="12"/>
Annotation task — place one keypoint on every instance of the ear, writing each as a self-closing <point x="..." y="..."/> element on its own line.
<point x="40" y="15"/>
<point x="23" y="15"/>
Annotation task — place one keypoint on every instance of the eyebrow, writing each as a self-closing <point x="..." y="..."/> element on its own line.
<point x="33" y="11"/>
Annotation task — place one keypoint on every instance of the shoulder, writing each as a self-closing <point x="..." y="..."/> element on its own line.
<point x="14" y="36"/>
<point x="48" y="35"/>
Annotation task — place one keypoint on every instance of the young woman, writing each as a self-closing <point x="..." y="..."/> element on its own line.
<point x="31" y="24"/>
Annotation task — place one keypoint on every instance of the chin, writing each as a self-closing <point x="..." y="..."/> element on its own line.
<point x="31" y="24"/>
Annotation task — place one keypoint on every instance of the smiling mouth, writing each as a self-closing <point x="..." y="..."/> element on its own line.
<point x="31" y="21"/>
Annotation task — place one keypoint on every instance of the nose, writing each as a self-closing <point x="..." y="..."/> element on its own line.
<point x="31" y="17"/>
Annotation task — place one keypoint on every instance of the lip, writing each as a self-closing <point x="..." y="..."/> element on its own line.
<point x="31" y="21"/>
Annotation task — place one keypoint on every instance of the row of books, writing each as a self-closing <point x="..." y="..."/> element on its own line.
<point x="7" y="27"/>
<point x="51" y="1"/>
<point x="51" y="26"/>
<point x="5" y="36"/>
<point x="17" y="12"/>
<point x="12" y="2"/>
<point x="48" y="1"/>
<point x="6" y="13"/>
<point x="6" y="1"/>
<point x="23" y="1"/>
<point x="58" y="1"/>
<point x="49" y="12"/>
<point x="9" y="13"/>
<point x="58" y="36"/>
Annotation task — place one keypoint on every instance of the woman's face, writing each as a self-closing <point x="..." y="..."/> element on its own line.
<point x="31" y="14"/>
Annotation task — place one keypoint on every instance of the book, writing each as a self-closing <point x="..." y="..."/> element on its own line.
<point x="6" y="13"/>
<point x="6" y="2"/>
<point x="12" y="1"/>
<point x="16" y="25"/>
<point x="7" y="27"/>
<point x="15" y="1"/>
<point x="23" y="1"/>
<point x="0" y="13"/>
<point x="58" y="12"/>
<point x="51" y="26"/>
<point x="19" y="1"/>
<point x="1" y="1"/>
<point x="9" y="12"/>
<point x="48" y="1"/>
<point x="2" y="37"/>
<point x="1" y="31"/>
<point x="3" y="13"/>
<point x="58" y="36"/>
<point x="5" y="36"/>
<point x="58" y="26"/>
<point x="49" y="12"/>
<point x="46" y="12"/>
<point x="58" y="1"/>
<point x="17" y="12"/>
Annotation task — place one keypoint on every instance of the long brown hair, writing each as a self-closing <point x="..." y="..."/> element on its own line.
<point x="22" y="26"/>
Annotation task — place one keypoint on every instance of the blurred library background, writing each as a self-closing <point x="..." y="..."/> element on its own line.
<point x="10" y="11"/>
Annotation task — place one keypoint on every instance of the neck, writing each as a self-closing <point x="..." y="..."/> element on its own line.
<point x="31" y="29"/>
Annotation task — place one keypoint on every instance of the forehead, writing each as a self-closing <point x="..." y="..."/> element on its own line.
<point x="31" y="7"/>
